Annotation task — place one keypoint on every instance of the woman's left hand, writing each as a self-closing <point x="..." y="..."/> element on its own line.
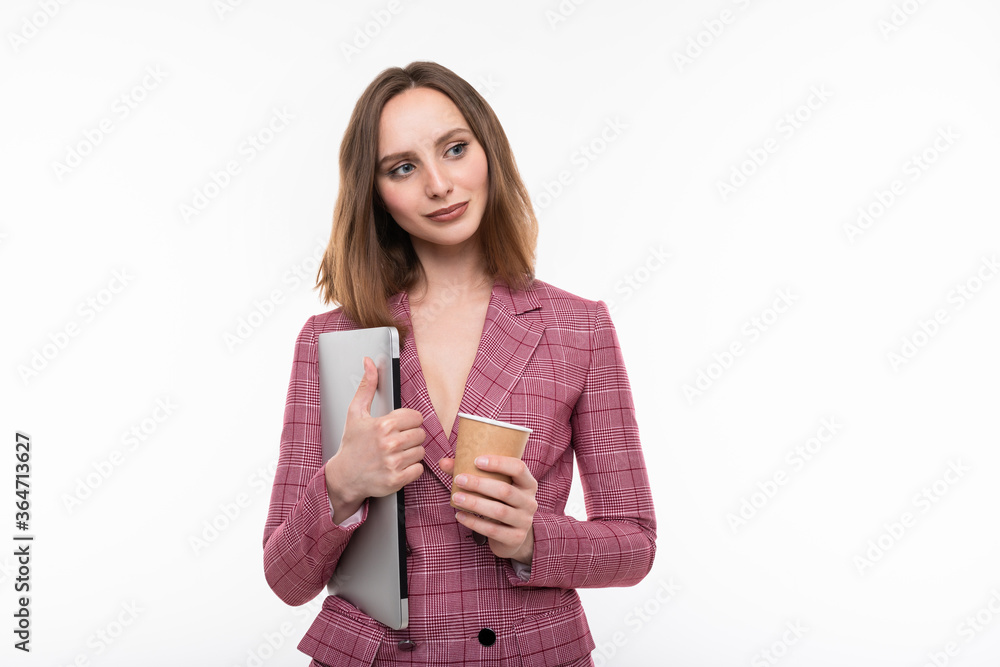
<point x="507" y="513"/>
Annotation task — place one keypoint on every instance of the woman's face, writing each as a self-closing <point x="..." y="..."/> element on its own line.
<point x="431" y="172"/>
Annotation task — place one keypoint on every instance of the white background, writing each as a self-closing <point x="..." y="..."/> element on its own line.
<point x="869" y="87"/>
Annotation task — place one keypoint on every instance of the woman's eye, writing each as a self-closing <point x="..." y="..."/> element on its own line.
<point x="458" y="149"/>
<point x="401" y="170"/>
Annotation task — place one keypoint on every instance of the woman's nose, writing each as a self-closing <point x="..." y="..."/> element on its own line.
<point x="438" y="182"/>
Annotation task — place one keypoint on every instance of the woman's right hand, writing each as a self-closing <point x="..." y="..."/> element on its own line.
<point x="377" y="455"/>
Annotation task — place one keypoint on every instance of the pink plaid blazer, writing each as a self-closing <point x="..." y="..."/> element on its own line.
<point x="548" y="360"/>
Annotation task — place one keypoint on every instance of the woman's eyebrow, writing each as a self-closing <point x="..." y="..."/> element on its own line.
<point x="444" y="138"/>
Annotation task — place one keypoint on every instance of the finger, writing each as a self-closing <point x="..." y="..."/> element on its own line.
<point x="414" y="472"/>
<point x="492" y="509"/>
<point x="397" y="480"/>
<point x="363" y="397"/>
<point x="413" y="437"/>
<point x="496" y="489"/>
<point x="406" y="418"/>
<point x="514" y="468"/>
<point x="447" y="465"/>
<point x="408" y="457"/>
<point x="498" y="532"/>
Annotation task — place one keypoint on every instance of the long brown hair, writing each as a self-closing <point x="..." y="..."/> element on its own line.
<point x="370" y="257"/>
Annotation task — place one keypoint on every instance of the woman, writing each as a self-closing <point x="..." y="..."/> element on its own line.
<point x="434" y="233"/>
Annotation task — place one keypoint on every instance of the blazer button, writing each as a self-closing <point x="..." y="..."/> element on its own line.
<point x="407" y="645"/>
<point x="480" y="539"/>
<point x="487" y="637"/>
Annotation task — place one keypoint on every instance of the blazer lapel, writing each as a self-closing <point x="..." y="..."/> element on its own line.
<point x="510" y="335"/>
<point x="511" y="332"/>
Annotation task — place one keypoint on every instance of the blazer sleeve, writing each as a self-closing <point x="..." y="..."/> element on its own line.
<point x="302" y="544"/>
<point x="617" y="543"/>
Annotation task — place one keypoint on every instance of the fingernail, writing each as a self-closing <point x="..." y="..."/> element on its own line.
<point x="459" y="498"/>
<point x="482" y="461"/>
<point x="461" y="480"/>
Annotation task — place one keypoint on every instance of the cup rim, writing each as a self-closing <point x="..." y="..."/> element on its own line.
<point x="494" y="422"/>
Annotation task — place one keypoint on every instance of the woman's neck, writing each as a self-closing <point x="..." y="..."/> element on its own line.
<point x="450" y="274"/>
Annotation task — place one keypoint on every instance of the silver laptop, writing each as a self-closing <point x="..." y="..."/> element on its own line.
<point x="371" y="573"/>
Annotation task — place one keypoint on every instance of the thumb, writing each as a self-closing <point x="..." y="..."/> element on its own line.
<point x="362" y="401"/>
<point x="447" y="465"/>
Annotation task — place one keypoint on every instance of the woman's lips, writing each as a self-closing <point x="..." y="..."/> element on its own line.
<point x="449" y="213"/>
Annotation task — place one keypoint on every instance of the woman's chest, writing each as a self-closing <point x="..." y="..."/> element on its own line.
<point x="447" y="348"/>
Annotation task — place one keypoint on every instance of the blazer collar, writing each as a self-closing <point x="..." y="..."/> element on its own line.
<point x="511" y="332"/>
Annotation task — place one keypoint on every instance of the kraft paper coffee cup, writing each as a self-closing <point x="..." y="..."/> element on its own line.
<point x="478" y="436"/>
